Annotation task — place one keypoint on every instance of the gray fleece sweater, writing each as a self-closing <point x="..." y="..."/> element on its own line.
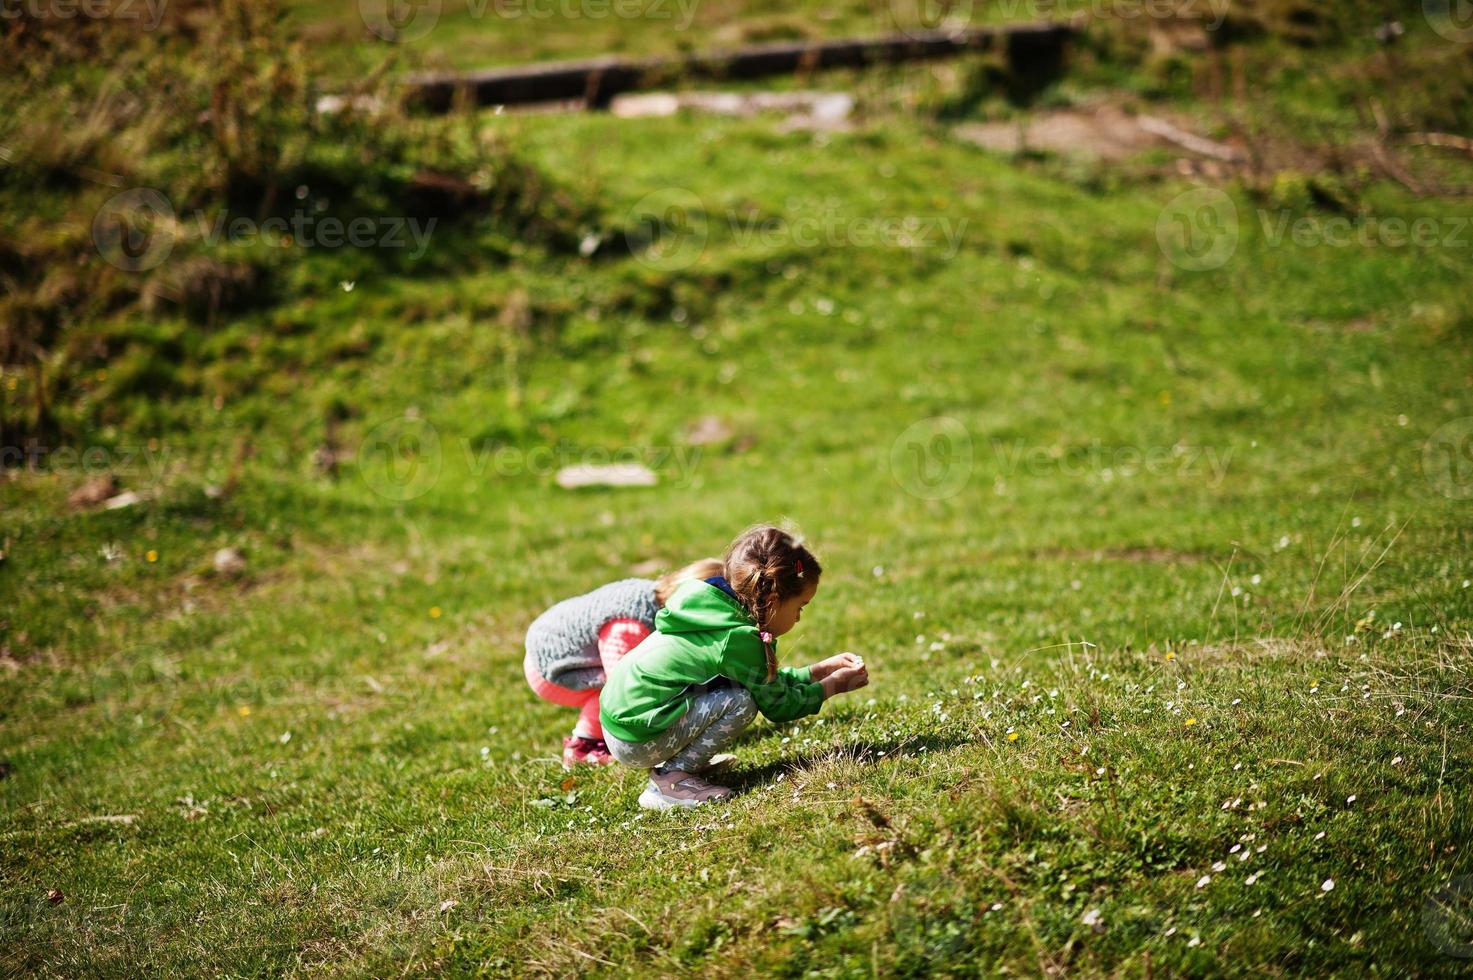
<point x="564" y="640"/>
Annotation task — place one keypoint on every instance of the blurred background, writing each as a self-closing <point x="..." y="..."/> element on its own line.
<point x="339" y="339"/>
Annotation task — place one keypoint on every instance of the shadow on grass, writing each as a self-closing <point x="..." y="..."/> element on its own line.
<point x="864" y="751"/>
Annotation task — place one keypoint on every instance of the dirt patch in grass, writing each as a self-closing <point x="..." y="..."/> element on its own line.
<point x="1102" y="132"/>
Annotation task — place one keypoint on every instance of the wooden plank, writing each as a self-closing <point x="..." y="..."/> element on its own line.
<point x="1027" y="46"/>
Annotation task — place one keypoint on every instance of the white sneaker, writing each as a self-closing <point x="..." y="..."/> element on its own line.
<point x="653" y="799"/>
<point x="684" y="791"/>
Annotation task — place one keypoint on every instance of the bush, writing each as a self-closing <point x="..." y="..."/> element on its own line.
<point x="132" y="146"/>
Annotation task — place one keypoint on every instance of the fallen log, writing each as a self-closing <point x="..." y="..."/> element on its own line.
<point x="1033" y="50"/>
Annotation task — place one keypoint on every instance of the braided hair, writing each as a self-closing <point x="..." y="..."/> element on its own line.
<point x="766" y="566"/>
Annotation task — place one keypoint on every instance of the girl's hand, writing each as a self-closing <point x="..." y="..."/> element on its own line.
<point x="824" y="668"/>
<point x="844" y="680"/>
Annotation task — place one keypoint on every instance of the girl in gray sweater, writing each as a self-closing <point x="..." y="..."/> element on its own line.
<point x="573" y="644"/>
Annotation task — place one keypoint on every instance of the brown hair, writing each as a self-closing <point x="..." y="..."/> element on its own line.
<point x="765" y="566"/>
<point x="701" y="568"/>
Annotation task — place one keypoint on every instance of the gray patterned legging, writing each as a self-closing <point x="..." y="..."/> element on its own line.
<point x="713" y="720"/>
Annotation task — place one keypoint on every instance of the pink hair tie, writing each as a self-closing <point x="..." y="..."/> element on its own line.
<point x="800" y="567"/>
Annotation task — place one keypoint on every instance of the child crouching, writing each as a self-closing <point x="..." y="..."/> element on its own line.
<point x="711" y="665"/>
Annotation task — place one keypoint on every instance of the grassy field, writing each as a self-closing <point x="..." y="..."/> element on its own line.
<point x="1158" y="554"/>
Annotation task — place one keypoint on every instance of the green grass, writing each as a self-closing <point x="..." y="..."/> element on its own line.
<point x="1186" y="492"/>
<point x="1057" y="326"/>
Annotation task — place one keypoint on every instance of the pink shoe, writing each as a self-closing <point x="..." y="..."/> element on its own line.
<point x="578" y="750"/>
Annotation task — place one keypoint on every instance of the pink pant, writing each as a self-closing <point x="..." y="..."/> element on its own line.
<point x="615" y="639"/>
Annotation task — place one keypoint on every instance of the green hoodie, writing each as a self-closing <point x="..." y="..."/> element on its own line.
<point x="700" y="635"/>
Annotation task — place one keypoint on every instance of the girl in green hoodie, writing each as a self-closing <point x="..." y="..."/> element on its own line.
<point x="711" y="665"/>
